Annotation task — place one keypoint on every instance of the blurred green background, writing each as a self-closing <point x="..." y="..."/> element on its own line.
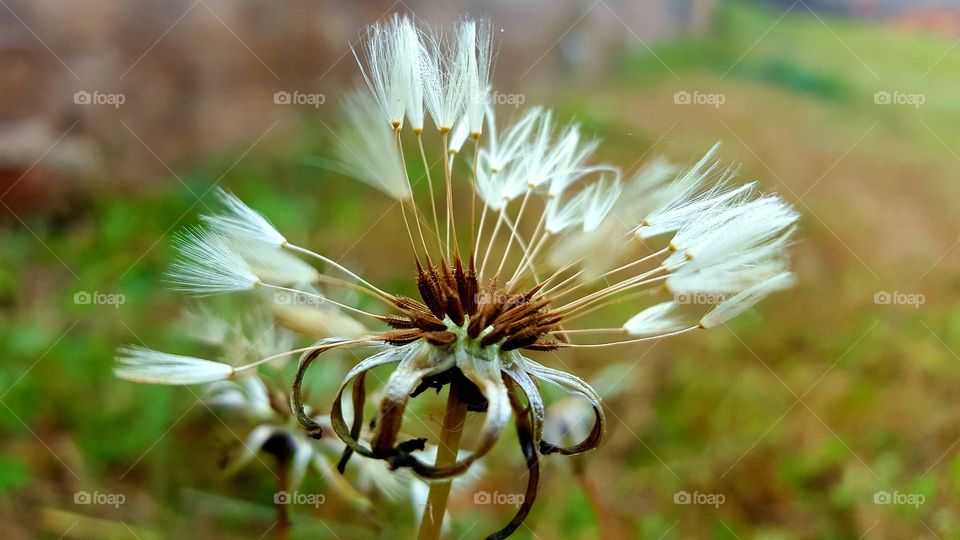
<point x="799" y="413"/>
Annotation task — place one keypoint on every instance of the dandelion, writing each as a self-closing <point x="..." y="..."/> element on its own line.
<point x="556" y="238"/>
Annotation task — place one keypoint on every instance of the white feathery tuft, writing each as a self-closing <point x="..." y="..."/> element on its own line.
<point x="651" y="176"/>
<point x="273" y="265"/>
<point x="736" y="272"/>
<point x="240" y="221"/>
<point x="533" y="166"/>
<point x="475" y="50"/>
<point x="444" y="80"/>
<point x="603" y="196"/>
<point x="246" y="394"/>
<point x="502" y="152"/>
<point x="640" y="189"/>
<point x="545" y="162"/>
<point x="415" y="53"/>
<point x="458" y="136"/>
<point x="389" y="63"/>
<point x="732" y="231"/>
<point x="745" y="299"/>
<point x="658" y="319"/>
<point x="565" y="163"/>
<point x="202" y="324"/>
<point x="208" y="265"/>
<point x="726" y="278"/>
<point x="696" y="208"/>
<point x="561" y="215"/>
<point x="676" y="193"/>
<point x="489" y="184"/>
<point x="370" y="154"/>
<point x="142" y="365"/>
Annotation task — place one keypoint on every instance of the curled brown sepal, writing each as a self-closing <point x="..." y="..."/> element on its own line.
<point x="422" y="362"/>
<point x="573" y="385"/>
<point x="314" y="429"/>
<point x="525" y="419"/>
<point x="406" y="354"/>
<point x="485" y="374"/>
<point x="528" y="387"/>
<point x="358" y="398"/>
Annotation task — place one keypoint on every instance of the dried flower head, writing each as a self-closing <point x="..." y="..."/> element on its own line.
<point x="556" y="238"/>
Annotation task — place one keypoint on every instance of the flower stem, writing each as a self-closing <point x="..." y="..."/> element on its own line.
<point x="453" y="421"/>
<point x="282" y="530"/>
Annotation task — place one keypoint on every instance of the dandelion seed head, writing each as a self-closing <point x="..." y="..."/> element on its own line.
<point x="557" y="236"/>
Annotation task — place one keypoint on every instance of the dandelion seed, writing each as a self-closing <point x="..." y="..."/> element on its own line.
<point x="499" y="153"/>
<point x="732" y="231"/>
<point x="414" y="51"/>
<point x="534" y="159"/>
<point x="563" y="214"/>
<point x="445" y="84"/>
<point x="734" y="273"/>
<point x="391" y="53"/>
<point x="566" y="163"/>
<point x="208" y="265"/>
<point x="698" y="209"/>
<point x="490" y="185"/>
<point x="746" y="299"/>
<point x="241" y="221"/>
<point x="201" y="324"/>
<point x="475" y="54"/>
<point x="603" y="197"/>
<point x="143" y="365"/>
<point x="458" y="136"/>
<point x="659" y="319"/>
<point x="273" y="265"/>
<point x="248" y="395"/>
<point x="679" y="192"/>
<point x="370" y="154"/>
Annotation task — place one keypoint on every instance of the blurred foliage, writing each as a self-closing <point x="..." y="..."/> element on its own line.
<point x="798" y="414"/>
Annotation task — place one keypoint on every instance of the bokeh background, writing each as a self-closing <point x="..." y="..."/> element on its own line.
<point x="817" y="415"/>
